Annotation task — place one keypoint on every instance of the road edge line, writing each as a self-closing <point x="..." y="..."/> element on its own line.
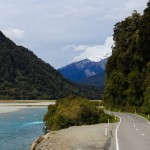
<point x="116" y="134"/>
<point x="143" y="118"/>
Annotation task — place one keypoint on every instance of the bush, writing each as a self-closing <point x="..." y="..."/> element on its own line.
<point x="73" y="111"/>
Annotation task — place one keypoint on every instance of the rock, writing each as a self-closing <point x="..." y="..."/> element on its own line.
<point x="36" y="142"/>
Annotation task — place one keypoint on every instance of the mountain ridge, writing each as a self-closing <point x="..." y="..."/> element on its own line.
<point x="25" y="76"/>
<point x="86" y="72"/>
<point x="78" y="71"/>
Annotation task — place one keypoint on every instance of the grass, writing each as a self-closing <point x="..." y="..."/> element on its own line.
<point x="115" y="119"/>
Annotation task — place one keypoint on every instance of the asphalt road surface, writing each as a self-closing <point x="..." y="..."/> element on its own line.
<point x="131" y="133"/>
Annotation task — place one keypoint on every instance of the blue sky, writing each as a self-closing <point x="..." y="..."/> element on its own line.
<point x="63" y="31"/>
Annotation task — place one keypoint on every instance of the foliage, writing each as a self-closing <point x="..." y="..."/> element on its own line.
<point x="74" y="111"/>
<point x="25" y="76"/>
<point x="128" y="69"/>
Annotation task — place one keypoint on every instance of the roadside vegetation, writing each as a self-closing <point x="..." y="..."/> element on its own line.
<point x="24" y="76"/>
<point x="145" y="116"/>
<point x="128" y="69"/>
<point x="75" y="111"/>
<point x="130" y="109"/>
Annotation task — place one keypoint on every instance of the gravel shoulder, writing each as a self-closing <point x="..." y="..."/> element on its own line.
<point x="88" y="137"/>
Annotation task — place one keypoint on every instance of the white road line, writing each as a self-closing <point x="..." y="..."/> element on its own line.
<point x="138" y="129"/>
<point x="140" y="132"/>
<point x="116" y="134"/>
<point x="133" y="122"/>
<point x="144" y="118"/>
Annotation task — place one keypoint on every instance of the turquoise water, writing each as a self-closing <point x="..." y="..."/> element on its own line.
<point x="19" y="129"/>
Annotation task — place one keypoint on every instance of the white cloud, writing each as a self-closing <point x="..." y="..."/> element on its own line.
<point x="81" y="47"/>
<point x="123" y="9"/>
<point x="14" y="34"/>
<point x="95" y="50"/>
<point x="76" y="48"/>
<point x="50" y="25"/>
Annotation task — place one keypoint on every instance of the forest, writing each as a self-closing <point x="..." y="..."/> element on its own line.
<point x="128" y="69"/>
<point x="25" y="76"/>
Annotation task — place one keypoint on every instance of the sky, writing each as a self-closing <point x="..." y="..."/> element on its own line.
<point x="63" y="31"/>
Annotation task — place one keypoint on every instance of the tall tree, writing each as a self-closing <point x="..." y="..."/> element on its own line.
<point x="127" y="75"/>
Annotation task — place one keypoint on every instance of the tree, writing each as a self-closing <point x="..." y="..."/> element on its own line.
<point x="127" y="70"/>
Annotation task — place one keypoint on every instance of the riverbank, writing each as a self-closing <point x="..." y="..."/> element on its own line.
<point x="88" y="137"/>
<point x="15" y="105"/>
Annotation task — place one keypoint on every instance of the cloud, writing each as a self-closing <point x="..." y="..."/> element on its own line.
<point x="49" y="25"/>
<point x="95" y="50"/>
<point x="91" y="50"/>
<point x="75" y="48"/>
<point x="14" y="34"/>
<point x="124" y="10"/>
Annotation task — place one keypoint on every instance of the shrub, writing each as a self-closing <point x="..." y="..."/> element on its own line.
<point x="73" y="111"/>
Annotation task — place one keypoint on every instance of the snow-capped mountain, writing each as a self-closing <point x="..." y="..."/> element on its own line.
<point x="99" y="57"/>
<point x="78" y="71"/>
<point x="88" y="70"/>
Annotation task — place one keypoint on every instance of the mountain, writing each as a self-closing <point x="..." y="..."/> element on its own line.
<point x="100" y="57"/>
<point x="80" y="70"/>
<point x="128" y="69"/>
<point x="25" y="76"/>
<point x="90" y="71"/>
<point x="97" y="80"/>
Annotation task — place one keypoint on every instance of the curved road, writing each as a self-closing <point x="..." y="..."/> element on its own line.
<point x="132" y="133"/>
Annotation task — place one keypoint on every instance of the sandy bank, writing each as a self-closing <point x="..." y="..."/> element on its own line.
<point x="8" y="106"/>
<point x="6" y="109"/>
<point x="91" y="137"/>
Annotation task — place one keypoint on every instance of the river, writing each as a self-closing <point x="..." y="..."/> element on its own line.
<point x="19" y="129"/>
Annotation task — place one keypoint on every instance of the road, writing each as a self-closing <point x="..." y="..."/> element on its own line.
<point x="131" y="133"/>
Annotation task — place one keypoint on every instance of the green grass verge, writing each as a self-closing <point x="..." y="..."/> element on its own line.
<point x="115" y="119"/>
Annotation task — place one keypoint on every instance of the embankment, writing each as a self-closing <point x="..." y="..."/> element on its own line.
<point x="87" y="137"/>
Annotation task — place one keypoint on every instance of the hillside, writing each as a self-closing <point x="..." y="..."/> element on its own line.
<point x="128" y="69"/>
<point x="97" y="80"/>
<point x="24" y="76"/>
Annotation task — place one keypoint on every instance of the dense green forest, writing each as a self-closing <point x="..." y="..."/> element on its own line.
<point x="128" y="69"/>
<point x="24" y="76"/>
<point x="74" y="111"/>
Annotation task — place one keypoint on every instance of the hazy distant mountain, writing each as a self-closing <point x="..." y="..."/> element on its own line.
<point x="89" y="71"/>
<point x="97" y="80"/>
<point x="24" y="76"/>
<point x="78" y="71"/>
